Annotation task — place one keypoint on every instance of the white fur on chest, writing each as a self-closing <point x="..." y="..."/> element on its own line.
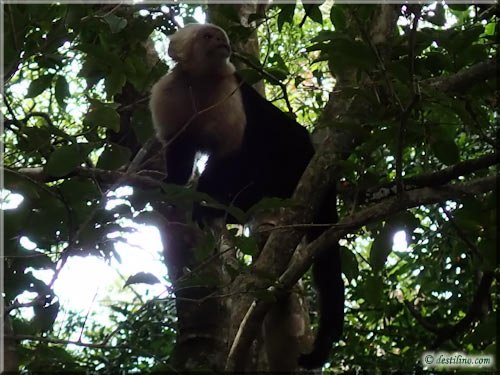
<point x="210" y="112"/>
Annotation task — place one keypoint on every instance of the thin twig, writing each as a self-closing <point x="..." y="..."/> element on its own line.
<point x="270" y="77"/>
<point x="65" y="342"/>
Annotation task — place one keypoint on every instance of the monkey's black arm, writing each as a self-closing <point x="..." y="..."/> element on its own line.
<point x="180" y="157"/>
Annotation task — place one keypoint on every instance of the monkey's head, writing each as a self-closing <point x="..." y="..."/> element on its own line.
<point x="201" y="49"/>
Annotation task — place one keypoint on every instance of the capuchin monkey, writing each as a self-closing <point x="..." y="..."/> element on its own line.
<point x="255" y="151"/>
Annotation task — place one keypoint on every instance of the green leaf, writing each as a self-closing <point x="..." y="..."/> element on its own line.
<point x="13" y="221"/>
<point x="439" y="16"/>
<point x="337" y="16"/>
<point x="255" y="17"/>
<point x="104" y="116"/>
<point x="314" y="13"/>
<point x="100" y="56"/>
<point x="123" y="210"/>
<point x="65" y="159"/>
<point x="380" y="249"/>
<point x="466" y="217"/>
<point x="46" y="316"/>
<point x="113" y="157"/>
<point x="459" y="7"/>
<point x="373" y="290"/>
<point x="286" y="15"/>
<point x="189" y="19"/>
<point x="205" y="247"/>
<point x="22" y="327"/>
<point x="234" y="211"/>
<point x="488" y="248"/>
<point x="19" y="184"/>
<point x="142" y="278"/>
<point x="79" y="189"/>
<point x="483" y="332"/>
<point x="150" y="218"/>
<point x="142" y="125"/>
<point x="403" y="221"/>
<point x="39" y="85"/>
<point x="277" y="73"/>
<point x="250" y="76"/>
<point x="456" y="41"/>
<point x="489" y="29"/>
<point x="436" y="62"/>
<point x="472" y="54"/>
<point x="446" y="151"/>
<point x="279" y="62"/>
<point x="115" y="82"/>
<point x="179" y="194"/>
<point x="47" y="221"/>
<point x="424" y="38"/>
<point x="115" y="23"/>
<point x="35" y="139"/>
<point x="346" y="54"/>
<point x="327" y="35"/>
<point x="247" y="245"/>
<point x="74" y="15"/>
<point x="61" y="90"/>
<point x="350" y="267"/>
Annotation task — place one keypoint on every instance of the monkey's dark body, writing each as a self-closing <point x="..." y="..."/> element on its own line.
<point x="273" y="156"/>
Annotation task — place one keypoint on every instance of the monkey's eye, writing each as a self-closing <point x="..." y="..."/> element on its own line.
<point x="207" y="36"/>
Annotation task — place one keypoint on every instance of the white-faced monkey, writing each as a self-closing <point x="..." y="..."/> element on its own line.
<point x="254" y="149"/>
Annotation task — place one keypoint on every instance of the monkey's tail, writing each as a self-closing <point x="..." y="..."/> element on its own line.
<point x="327" y="276"/>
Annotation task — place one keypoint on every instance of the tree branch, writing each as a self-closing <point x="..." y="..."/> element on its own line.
<point x="464" y="79"/>
<point x="270" y="77"/>
<point x="450" y="173"/>
<point x="431" y="179"/>
<point x="303" y="257"/>
<point x="381" y="211"/>
<point x="64" y="342"/>
<point x="102" y="175"/>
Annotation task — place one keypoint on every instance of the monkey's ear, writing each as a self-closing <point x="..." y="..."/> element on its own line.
<point x="181" y="43"/>
<point x="177" y="49"/>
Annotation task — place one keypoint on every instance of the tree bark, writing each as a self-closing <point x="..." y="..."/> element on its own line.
<point x="309" y="195"/>
<point x="9" y="347"/>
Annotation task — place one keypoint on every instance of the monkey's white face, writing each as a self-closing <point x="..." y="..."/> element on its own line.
<point x="201" y="50"/>
<point x="211" y="45"/>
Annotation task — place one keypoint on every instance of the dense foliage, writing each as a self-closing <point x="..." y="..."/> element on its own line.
<point x="424" y="120"/>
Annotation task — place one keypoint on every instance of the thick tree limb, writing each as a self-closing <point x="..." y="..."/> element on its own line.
<point x="303" y="258"/>
<point x="464" y="79"/>
<point x="441" y="177"/>
<point x="102" y="175"/>
<point x="64" y="342"/>
<point x="450" y="173"/>
<point x="381" y="211"/>
<point x="9" y="351"/>
<point x="314" y="186"/>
